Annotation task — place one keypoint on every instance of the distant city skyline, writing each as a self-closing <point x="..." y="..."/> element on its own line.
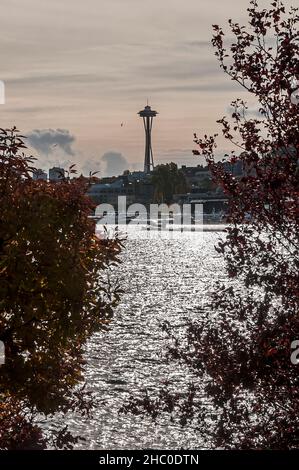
<point x="77" y="73"/>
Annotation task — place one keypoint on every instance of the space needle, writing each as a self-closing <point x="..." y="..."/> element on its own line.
<point x="148" y="115"/>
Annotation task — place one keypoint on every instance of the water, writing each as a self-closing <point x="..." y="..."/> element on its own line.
<point x="162" y="280"/>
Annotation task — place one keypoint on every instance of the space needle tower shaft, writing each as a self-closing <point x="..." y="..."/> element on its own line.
<point x="148" y="115"/>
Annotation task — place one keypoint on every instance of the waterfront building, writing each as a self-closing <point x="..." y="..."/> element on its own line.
<point x="56" y="174"/>
<point x="40" y="174"/>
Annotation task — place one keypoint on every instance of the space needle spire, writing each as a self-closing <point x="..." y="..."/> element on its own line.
<point x="148" y="115"/>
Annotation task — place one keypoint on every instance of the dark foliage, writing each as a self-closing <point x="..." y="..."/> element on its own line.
<point x="54" y="294"/>
<point x="246" y="389"/>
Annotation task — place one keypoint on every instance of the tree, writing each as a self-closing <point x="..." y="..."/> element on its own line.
<point x="54" y="295"/>
<point x="168" y="180"/>
<point x="242" y="355"/>
<point x="206" y="184"/>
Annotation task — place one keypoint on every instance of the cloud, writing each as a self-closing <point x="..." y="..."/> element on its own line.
<point x="97" y="70"/>
<point x="214" y="87"/>
<point x="46" y="141"/>
<point x="182" y="67"/>
<point x="60" y="78"/>
<point x="35" y="109"/>
<point x="115" y="163"/>
<point x="91" y="165"/>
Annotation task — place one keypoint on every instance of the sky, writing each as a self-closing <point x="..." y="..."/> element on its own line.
<point x="76" y="74"/>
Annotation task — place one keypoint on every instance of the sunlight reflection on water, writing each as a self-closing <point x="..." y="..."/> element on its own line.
<point x="162" y="280"/>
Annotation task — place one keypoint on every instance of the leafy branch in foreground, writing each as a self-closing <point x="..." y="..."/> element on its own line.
<point x="54" y="294"/>
<point x="245" y="390"/>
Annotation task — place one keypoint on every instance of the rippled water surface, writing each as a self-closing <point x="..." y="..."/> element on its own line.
<point x="162" y="280"/>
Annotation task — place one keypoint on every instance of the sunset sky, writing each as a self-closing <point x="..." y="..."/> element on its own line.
<point x="75" y="70"/>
